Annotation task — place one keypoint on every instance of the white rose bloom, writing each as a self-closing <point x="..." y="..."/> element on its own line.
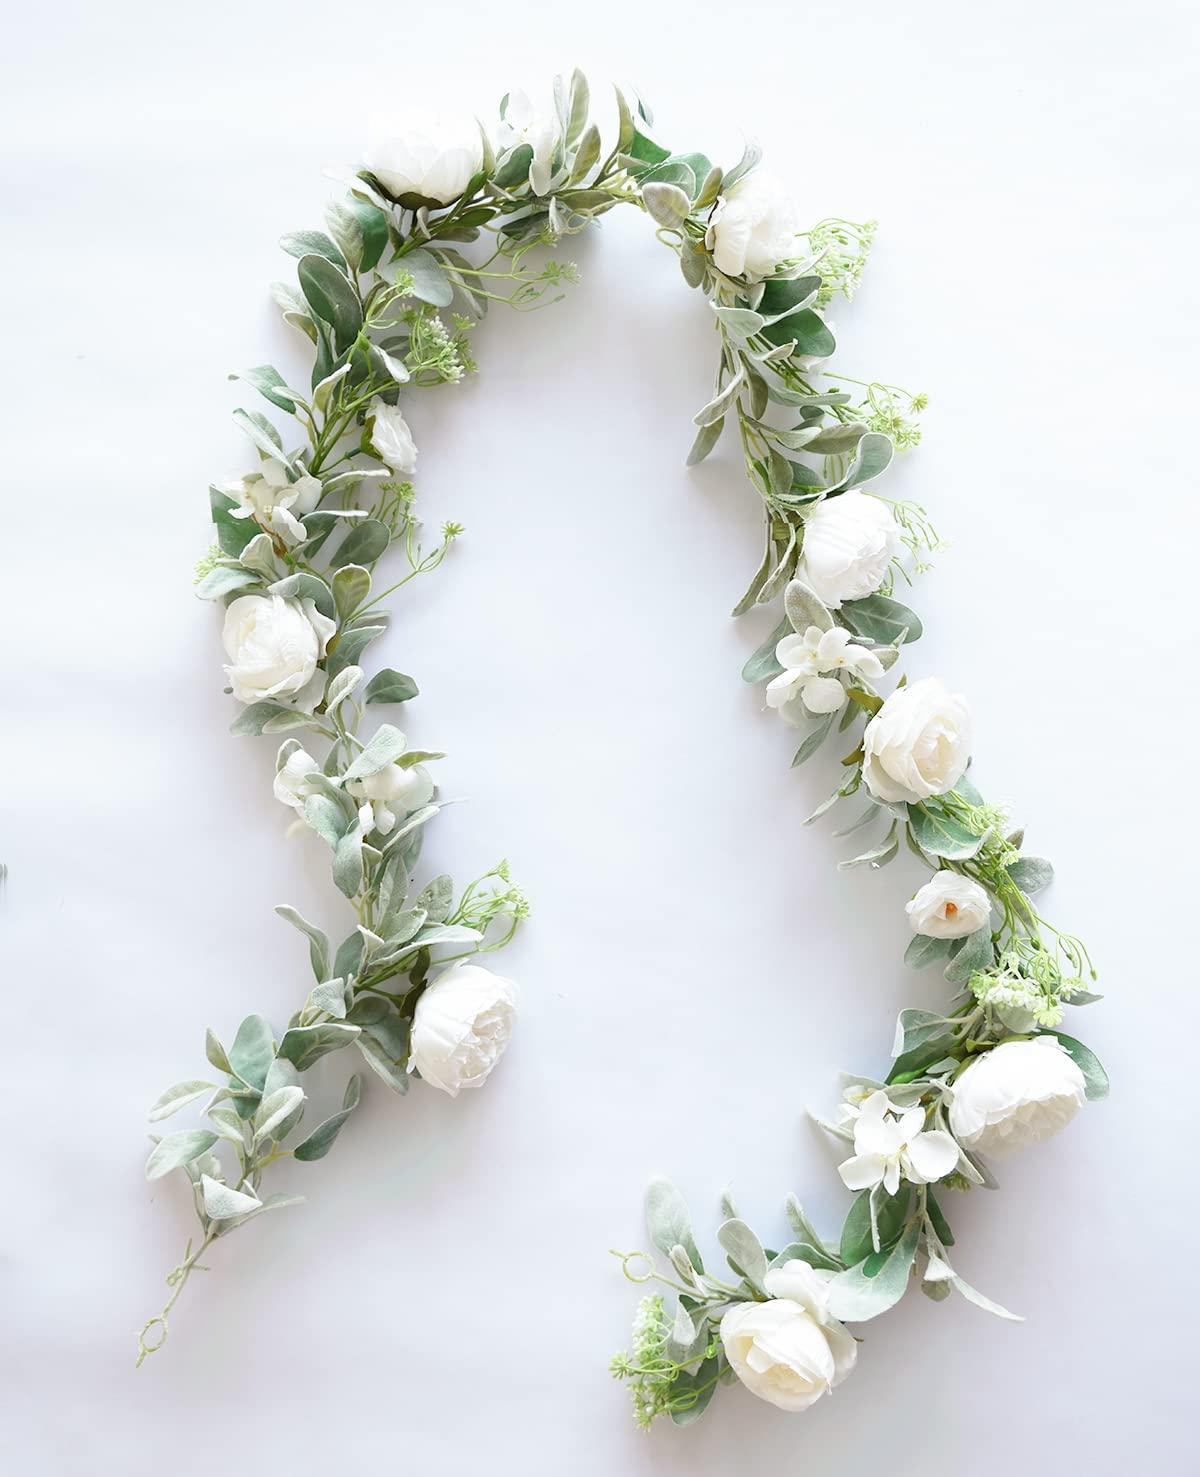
<point x="949" y="906"/>
<point x="805" y="658"/>
<point x="849" y="542"/>
<point x="1015" y="1095"/>
<point x="275" y="501"/>
<point x="432" y="162"/>
<point x="918" y="744"/>
<point x="889" y="1146"/>
<point x="391" y="437"/>
<point x="291" y="787"/>
<point x="273" y="646"/>
<point x="461" y="1026"/>
<point x="524" y="125"/>
<point x="789" y="1351"/>
<point x="390" y="793"/>
<point x="753" y="227"/>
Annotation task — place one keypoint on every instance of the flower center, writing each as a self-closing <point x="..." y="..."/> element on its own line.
<point x="951" y="909"/>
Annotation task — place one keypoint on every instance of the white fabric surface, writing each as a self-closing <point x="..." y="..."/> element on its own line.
<point x="696" y="969"/>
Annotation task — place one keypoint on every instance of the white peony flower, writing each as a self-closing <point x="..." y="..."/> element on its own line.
<point x="849" y="542"/>
<point x="391" y="437"/>
<point x="291" y="786"/>
<point x="806" y="658"/>
<point x="461" y="1026"/>
<point x="273" y="646"/>
<point x="890" y="1145"/>
<point x="949" y="906"/>
<point x="431" y="163"/>
<point x="789" y="1351"/>
<point x="1015" y="1095"/>
<point x="918" y="744"/>
<point x="275" y="501"/>
<point x="390" y="793"/>
<point x="753" y="227"/>
<point x="524" y="125"/>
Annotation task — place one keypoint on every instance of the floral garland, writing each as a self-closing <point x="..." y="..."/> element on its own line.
<point x="299" y="541"/>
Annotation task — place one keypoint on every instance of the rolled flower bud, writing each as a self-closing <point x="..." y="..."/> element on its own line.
<point x="461" y="1027"/>
<point x="429" y="164"/>
<point x="789" y="1351"/>
<point x="949" y="906"/>
<point x="918" y="744"/>
<point x="1015" y="1095"/>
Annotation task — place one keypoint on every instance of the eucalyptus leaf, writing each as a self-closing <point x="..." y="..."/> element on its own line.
<point x="390" y="686"/>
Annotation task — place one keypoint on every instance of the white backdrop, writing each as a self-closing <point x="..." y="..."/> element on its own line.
<point x="696" y="969"/>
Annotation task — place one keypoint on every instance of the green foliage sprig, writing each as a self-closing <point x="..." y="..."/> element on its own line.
<point x="387" y="298"/>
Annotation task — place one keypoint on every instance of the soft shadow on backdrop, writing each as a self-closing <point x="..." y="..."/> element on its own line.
<point x="696" y="970"/>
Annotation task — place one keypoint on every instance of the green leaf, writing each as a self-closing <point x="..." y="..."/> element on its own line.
<point x="763" y="663"/>
<point x="178" y="1097"/>
<point x="331" y="297"/>
<point x="975" y="952"/>
<point x="812" y="742"/>
<point x="215" y="1052"/>
<point x="351" y="586"/>
<point x="390" y="686"/>
<point x="304" y="1045"/>
<point x="856" y="1242"/>
<point x="304" y="243"/>
<point x="744" y="1251"/>
<point x="306" y="587"/>
<point x="346" y="649"/>
<point x="1031" y="874"/>
<point x="318" y="943"/>
<point x="348" y="863"/>
<point x="177" y="1149"/>
<point x="224" y="579"/>
<point x="436" y="899"/>
<point x="320" y="1141"/>
<point x="706" y="438"/>
<point x="373" y="225"/>
<point x="876" y="1284"/>
<point x="271" y="385"/>
<point x="384" y="1047"/>
<point x="222" y="1202"/>
<point x="278" y="1113"/>
<point x="917" y="1028"/>
<point x="1094" y="1076"/>
<point x="253" y="718"/>
<point x="939" y="834"/>
<point x="264" y="436"/>
<point x="923" y="951"/>
<point x="721" y="401"/>
<point x="431" y="284"/>
<point x="384" y="747"/>
<point x="880" y="619"/>
<point x="803" y="608"/>
<point x="666" y="204"/>
<point x="940" y="1224"/>
<point x="781" y="295"/>
<point x="874" y="456"/>
<point x="805" y="1251"/>
<point x="668" y="1222"/>
<point x="807" y="329"/>
<point x="700" y="1383"/>
<point x="252" y="1050"/>
<point x="367" y="540"/>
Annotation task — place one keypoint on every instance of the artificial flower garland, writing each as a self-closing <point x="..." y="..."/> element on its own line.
<point x="298" y="544"/>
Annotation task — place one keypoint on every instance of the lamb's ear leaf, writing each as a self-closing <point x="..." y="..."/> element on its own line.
<point x="668" y="1222"/>
<point x="1095" y="1078"/>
